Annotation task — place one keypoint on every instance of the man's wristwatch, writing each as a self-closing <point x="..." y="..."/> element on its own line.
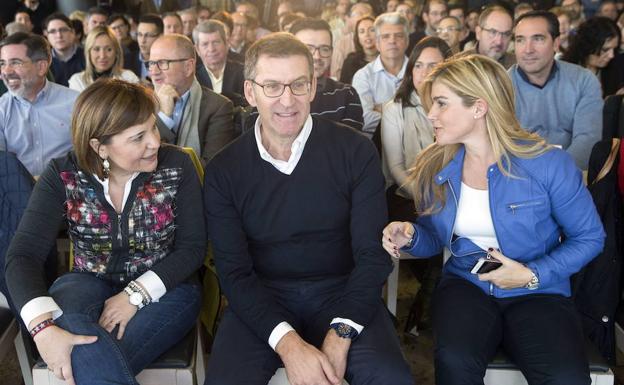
<point x="344" y="331"/>
<point x="533" y="283"/>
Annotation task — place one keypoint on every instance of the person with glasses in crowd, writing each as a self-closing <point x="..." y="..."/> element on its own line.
<point x="150" y="27"/>
<point x="495" y="195"/>
<point x="35" y="112"/>
<point x="130" y="207"/>
<point x="335" y="101"/>
<point x="189" y="115"/>
<point x="104" y="58"/>
<point x="67" y="55"/>
<point x="494" y="33"/>
<point x="293" y="208"/>
<point x="449" y="29"/>
<point x="121" y="28"/>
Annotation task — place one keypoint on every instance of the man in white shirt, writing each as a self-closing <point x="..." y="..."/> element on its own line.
<point x="377" y="82"/>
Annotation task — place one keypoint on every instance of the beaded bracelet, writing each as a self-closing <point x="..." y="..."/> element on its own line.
<point x="40" y="326"/>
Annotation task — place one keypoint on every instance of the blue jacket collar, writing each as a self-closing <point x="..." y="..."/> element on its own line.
<point x="453" y="168"/>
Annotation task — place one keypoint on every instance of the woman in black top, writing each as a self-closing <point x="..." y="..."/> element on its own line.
<point x="130" y="206"/>
<point x="365" y="49"/>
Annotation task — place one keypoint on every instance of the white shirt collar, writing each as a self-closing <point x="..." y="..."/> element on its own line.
<point x="105" y="184"/>
<point x="296" y="148"/>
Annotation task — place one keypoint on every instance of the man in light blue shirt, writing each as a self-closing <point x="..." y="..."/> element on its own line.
<point x="377" y="82"/>
<point x="35" y="115"/>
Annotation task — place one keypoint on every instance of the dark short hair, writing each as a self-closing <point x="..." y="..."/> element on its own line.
<point x="97" y="11"/>
<point x="152" y="18"/>
<point x="428" y="3"/>
<point x="313" y="24"/>
<point x="453" y="6"/>
<point x="172" y="14"/>
<point x="37" y="47"/>
<point x="276" y="45"/>
<point x="407" y="84"/>
<point x="590" y="36"/>
<point x="550" y="18"/>
<point x="117" y="16"/>
<point x="57" y="16"/>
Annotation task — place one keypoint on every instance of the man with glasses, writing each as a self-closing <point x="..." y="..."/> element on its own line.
<point x="67" y="56"/>
<point x="190" y="115"/>
<point x="35" y="114"/>
<point x="294" y="211"/>
<point x="433" y="12"/>
<point x="377" y="82"/>
<point x="335" y="101"/>
<point x="560" y="101"/>
<point x="494" y="33"/>
<point x="214" y="69"/>
<point x="149" y="29"/>
<point x="449" y="29"/>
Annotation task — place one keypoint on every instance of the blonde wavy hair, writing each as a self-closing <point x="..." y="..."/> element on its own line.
<point x="471" y="77"/>
<point x="89" y="72"/>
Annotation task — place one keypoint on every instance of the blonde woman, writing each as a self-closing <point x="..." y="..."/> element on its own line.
<point x="488" y="189"/>
<point x="103" y="58"/>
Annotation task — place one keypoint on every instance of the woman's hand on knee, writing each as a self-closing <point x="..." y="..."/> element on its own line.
<point x="395" y="236"/>
<point x="117" y="311"/>
<point x="55" y="346"/>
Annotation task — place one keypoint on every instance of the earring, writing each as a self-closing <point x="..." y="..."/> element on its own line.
<point x="105" y="168"/>
<point x="476" y="116"/>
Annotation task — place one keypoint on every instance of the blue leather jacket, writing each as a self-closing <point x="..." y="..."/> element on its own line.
<point x="543" y="217"/>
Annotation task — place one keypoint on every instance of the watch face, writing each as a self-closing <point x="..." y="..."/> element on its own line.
<point x="136" y="299"/>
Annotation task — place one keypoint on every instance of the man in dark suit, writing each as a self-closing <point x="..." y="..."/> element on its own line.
<point x="214" y="69"/>
<point x="190" y="115"/>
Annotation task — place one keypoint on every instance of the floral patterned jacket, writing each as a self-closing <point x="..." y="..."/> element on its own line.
<point x="161" y="227"/>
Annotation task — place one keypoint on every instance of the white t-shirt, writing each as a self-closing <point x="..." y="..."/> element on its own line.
<point x="474" y="220"/>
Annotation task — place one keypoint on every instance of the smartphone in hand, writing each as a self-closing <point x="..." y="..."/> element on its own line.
<point x="485" y="265"/>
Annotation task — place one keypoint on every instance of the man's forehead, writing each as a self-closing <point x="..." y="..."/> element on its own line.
<point x="313" y="36"/>
<point x="498" y="19"/>
<point x="209" y="36"/>
<point x="147" y="27"/>
<point x="284" y="69"/>
<point x="448" y="22"/>
<point x="56" y="23"/>
<point x="532" y="26"/>
<point x="13" y="51"/>
<point x="436" y="6"/>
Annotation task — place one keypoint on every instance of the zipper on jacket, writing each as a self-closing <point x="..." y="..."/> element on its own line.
<point x="500" y="246"/>
<point x="456" y="206"/>
<point x="119" y="235"/>
<point x="515" y="206"/>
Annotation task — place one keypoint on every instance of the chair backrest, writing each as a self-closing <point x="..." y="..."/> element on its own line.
<point x="613" y="117"/>
<point x="196" y="162"/>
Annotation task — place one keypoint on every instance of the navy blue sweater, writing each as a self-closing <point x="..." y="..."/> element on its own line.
<point x="325" y="219"/>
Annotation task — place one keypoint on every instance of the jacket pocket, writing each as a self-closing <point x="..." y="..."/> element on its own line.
<point x="514" y="207"/>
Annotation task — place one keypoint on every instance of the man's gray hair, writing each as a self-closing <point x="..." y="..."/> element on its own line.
<point x="209" y="26"/>
<point x="392" y="18"/>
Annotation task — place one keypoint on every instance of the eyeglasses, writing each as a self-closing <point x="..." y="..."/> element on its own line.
<point x="447" y="29"/>
<point x="275" y="90"/>
<point x="62" y="31"/>
<point x="14" y="63"/>
<point x="148" y="35"/>
<point x="492" y="33"/>
<point x="324" y="51"/>
<point x="163" y="64"/>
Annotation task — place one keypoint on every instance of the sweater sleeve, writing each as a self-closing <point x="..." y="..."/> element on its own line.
<point x="247" y="297"/>
<point x="189" y="247"/>
<point x="34" y="238"/>
<point x="368" y="218"/>
<point x="587" y="126"/>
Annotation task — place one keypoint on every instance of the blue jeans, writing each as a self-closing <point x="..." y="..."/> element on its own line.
<point x="151" y="332"/>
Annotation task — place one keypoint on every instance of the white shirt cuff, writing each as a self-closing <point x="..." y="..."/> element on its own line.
<point x="152" y="283"/>
<point x="38" y="306"/>
<point x="278" y="332"/>
<point x="347" y="321"/>
<point x="167" y="120"/>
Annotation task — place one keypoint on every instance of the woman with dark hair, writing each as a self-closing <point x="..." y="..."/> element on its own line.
<point x="595" y="46"/>
<point x="365" y="49"/>
<point x="121" y="28"/>
<point x="405" y="129"/>
<point x="130" y="208"/>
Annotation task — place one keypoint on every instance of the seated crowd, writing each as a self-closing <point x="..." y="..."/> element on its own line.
<point x="413" y="128"/>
